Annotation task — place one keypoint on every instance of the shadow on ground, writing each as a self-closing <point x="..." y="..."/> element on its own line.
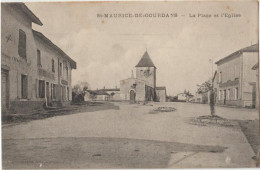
<point x="250" y="128"/>
<point x="53" y="153"/>
<point x="72" y="109"/>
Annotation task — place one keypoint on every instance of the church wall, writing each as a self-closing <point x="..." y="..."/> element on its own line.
<point x="132" y="84"/>
<point x="161" y="95"/>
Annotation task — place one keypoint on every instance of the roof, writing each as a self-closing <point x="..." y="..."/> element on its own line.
<point x="145" y="61"/>
<point x="101" y="92"/>
<point x="56" y="48"/>
<point x="160" y="88"/>
<point x="91" y="91"/>
<point x="115" y="89"/>
<point x="252" y="48"/>
<point x="27" y="12"/>
<point x="255" y="66"/>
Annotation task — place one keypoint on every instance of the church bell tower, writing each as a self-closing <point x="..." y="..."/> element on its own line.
<point x="146" y="70"/>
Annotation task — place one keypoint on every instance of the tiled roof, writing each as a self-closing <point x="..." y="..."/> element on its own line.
<point x="145" y="61"/>
<point x="101" y="92"/>
<point x="115" y="89"/>
<point x="56" y="48"/>
<point x="252" y="48"/>
<point x="26" y="11"/>
<point x="160" y="88"/>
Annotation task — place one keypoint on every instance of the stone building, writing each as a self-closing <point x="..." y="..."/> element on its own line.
<point x="161" y="93"/>
<point x="54" y="72"/>
<point x="236" y="83"/>
<point x="22" y="73"/>
<point x="103" y="94"/>
<point x="256" y="68"/>
<point x="143" y="87"/>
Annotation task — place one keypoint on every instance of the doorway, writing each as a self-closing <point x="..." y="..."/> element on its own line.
<point x="253" y="95"/>
<point x="132" y="96"/>
<point x="47" y="93"/>
<point x="4" y="90"/>
<point x="225" y="96"/>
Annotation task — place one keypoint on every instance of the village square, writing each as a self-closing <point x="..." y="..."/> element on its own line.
<point x="60" y="113"/>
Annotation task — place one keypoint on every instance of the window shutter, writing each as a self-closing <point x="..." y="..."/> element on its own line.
<point x="22" y="44"/>
<point x="29" y="83"/>
<point x="36" y="88"/>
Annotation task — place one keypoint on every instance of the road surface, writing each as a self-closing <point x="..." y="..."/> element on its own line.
<point x="130" y="137"/>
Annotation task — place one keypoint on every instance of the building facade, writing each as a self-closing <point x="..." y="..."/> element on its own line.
<point x="161" y="94"/>
<point x="143" y="87"/>
<point x="54" y="72"/>
<point x="21" y="73"/>
<point x="103" y="94"/>
<point x="256" y="68"/>
<point x="235" y="79"/>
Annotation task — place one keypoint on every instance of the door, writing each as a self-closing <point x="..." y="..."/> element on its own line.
<point x="253" y="95"/>
<point x="225" y="96"/>
<point x="4" y="88"/>
<point x="132" y="96"/>
<point x="47" y="93"/>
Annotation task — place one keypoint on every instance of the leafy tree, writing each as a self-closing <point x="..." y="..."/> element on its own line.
<point x="78" y="91"/>
<point x="203" y="89"/>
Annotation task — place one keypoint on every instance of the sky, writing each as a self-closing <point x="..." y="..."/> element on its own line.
<point x="107" y="49"/>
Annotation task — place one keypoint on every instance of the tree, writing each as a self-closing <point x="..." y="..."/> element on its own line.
<point x="78" y="91"/>
<point x="206" y="87"/>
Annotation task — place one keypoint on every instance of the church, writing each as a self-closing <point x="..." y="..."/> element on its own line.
<point x="142" y="87"/>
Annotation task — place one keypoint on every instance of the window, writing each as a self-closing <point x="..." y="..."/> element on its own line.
<point x="236" y="93"/>
<point x="53" y="91"/>
<point x="63" y="93"/>
<point x="41" y="88"/>
<point x="228" y="94"/>
<point x="53" y="65"/>
<point x="220" y="93"/>
<point x="61" y="69"/>
<point x="220" y="77"/>
<point x="24" y="86"/>
<point x="39" y="63"/>
<point x="22" y="44"/>
<point x="67" y="72"/>
<point x="68" y="94"/>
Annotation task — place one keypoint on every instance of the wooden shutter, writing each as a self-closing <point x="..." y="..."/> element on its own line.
<point x="24" y="86"/>
<point x="22" y="44"/>
<point x="36" y="88"/>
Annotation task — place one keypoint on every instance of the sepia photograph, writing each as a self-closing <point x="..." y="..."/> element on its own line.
<point x="130" y="84"/>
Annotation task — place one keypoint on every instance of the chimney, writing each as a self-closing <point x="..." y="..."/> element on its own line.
<point x="104" y="87"/>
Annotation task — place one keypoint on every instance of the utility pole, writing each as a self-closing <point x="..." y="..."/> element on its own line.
<point x="211" y="61"/>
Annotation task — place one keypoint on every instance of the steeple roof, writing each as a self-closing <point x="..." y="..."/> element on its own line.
<point x="145" y="61"/>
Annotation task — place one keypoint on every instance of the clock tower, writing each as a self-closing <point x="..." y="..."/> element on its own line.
<point x="145" y="70"/>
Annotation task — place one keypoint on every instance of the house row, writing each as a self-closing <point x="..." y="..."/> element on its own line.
<point x="102" y="95"/>
<point x="236" y="79"/>
<point x="34" y="71"/>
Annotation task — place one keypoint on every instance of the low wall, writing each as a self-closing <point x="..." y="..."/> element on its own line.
<point x="26" y="107"/>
